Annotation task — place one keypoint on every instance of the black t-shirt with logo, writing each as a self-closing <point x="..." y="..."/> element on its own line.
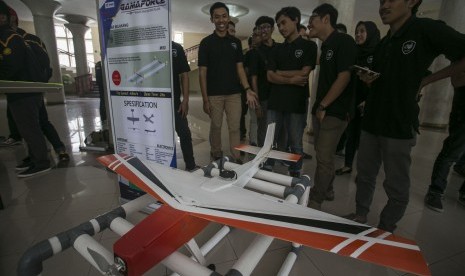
<point x="288" y="57"/>
<point x="338" y="54"/>
<point x="220" y="55"/>
<point x="180" y="65"/>
<point x="258" y="66"/>
<point x="403" y="59"/>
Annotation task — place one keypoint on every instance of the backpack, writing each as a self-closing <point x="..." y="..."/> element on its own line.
<point x="37" y="60"/>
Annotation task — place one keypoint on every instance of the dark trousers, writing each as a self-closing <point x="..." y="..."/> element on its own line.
<point x="353" y="139"/>
<point x="46" y="126"/>
<point x="262" y="123"/>
<point x="26" y="112"/>
<point x="394" y="154"/>
<point x="453" y="149"/>
<point x="244" y="112"/>
<point x="185" y="138"/>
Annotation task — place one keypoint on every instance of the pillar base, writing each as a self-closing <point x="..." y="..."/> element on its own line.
<point x="434" y="126"/>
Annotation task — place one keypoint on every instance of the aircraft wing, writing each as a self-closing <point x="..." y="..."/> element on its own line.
<point x="220" y="201"/>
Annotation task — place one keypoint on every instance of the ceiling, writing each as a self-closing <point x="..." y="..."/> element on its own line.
<point x="188" y="17"/>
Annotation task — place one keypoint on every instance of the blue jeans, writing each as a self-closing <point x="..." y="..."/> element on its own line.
<point x="295" y="130"/>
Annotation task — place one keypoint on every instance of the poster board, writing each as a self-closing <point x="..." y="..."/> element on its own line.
<point x="135" y="37"/>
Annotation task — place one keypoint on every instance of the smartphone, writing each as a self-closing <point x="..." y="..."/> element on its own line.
<point x="364" y="70"/>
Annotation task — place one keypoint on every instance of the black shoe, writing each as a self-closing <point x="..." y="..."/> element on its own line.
<point x="63" y="156"/>
<point x="307" y="156"/>
<point x="434" y="201"/>
<point x="329" y="195"/>
<point x="25" y="164"/>
<point x="193" y="168"/>
<point x="460" y="170"/>
<point x="343" y="170"/>
<point x="33" y="171"/>
<point x="356" y="218"/>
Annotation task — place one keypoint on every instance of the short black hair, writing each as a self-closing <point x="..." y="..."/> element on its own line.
<point x="231" y="23"/>
<point x="415" y="8"/>
<point x="341" y="27"/>
<point x="264" y="19"/>
<point x="249" y="41"/>
<point x="327" y="9"/>
<point x="292" y="12"/>
<point x="301" y="26"/>
<point x="218" y="5"/>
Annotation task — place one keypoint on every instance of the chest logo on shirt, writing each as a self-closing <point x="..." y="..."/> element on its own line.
<point x="175" y="52"/>
<point x="6" y="51"/>
<point x="408" y="47"/>
<point x="298" y="53"/>
<point x="329" y="55"/>
<point x="370" y="59"/>
<point x="234" y="45"/>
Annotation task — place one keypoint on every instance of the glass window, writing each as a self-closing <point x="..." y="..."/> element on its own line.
<point x="89" y="47"/>
<point x="62" y="44"/>
<point x="64" y="59"/>
<point x="88" y="34"/>
<point x="179" y="37"/>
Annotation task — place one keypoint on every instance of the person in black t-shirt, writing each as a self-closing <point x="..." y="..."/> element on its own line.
<point x="390" y="122"/>
<point x="333" y="98"/>
<point x="222" y="80"/>
<point x="181" y="78"/>
<point x="289" y="65"/>
<point x="258" y="72"/>
<point x="24" y="107"/>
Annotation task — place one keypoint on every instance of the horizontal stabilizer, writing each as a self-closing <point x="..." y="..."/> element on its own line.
<point x="271" y="154"/>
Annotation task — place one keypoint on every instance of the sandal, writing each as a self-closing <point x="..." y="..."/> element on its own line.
<point x="343" y="170"/>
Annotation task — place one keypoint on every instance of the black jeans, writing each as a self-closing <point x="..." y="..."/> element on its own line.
<point x="453" y="147"/>
<point x="46" y="126"/>
<point x="25" y="112"/>
<point x="185" y="137"/>
<point x="353" y="139"/>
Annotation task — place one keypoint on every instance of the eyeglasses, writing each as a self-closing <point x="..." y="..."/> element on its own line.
<point x="264" y="27"/>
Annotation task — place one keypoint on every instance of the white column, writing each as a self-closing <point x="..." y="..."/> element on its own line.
<point x="437" y="97"/>
<point x="77" y="26"/>
<point x="43" y="12"/>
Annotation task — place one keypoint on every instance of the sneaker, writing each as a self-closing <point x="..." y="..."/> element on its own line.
<point x="63" y="156"/>
<point x="434" y="201"/>
<point x="356" y="218"/>
<point x="461" y="198"/>
<point x="343" y="170"/>
<point x="10" y="142"/>
<point x="284" y="163"/>
<point x="329" y="195"/>
<point x="26" y="164"/>
<point x="307" y="156"/>
<point x="193" y="169"/>
<point x="33" y="171"/>
<point x="460" y="170"/>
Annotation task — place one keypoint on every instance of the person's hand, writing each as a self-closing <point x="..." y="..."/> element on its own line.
<point x="320" y="115"/>
<point x="299" y="80"/>
<point x="252" y="99"/>
<point x="367" y="77"/>
<point x="206" y="107"/>
<point x="184" y="108"/>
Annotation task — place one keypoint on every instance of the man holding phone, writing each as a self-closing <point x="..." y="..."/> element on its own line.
<point x="390" y="123"/>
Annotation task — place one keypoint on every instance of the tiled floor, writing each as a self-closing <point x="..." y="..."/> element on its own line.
<point x="39" y="207"/>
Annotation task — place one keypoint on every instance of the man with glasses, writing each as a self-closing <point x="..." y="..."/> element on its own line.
<point x="221" y="73"/>
<point x="289" y="65"/>
<point x="333" y="97"/>
<point x="257" y="71"/>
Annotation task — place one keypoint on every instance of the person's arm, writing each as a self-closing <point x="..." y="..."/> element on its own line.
<point x="13" y="63"/>
<point x="341" y="82"/>
<point x="203" y="88"/>
<point x="251" y="95"/>
<point x="294" y="77"/>
<point x="184" y="107"/>
<point x="454" y="71"/>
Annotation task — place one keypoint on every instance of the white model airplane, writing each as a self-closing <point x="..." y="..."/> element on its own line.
<point x="192" y="201"/>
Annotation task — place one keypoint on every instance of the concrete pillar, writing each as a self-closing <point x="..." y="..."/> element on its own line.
<point x="43" y="12"/>
<point x="77" y="26"/>
<point x="437" y="97"/>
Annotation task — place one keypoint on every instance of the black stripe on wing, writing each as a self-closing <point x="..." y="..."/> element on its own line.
<point x="335" y="226"/>
<point x="136" y="163"/>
